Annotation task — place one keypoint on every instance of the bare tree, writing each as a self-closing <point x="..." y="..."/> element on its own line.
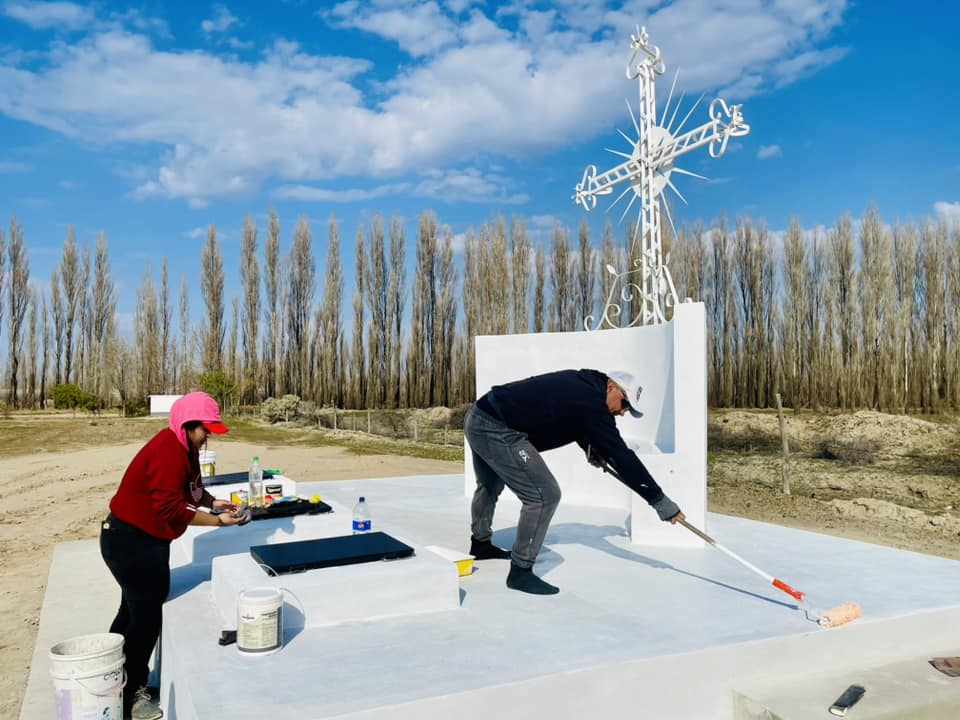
<point x="795" y="358"/>
<point x="46" y="334"/>
<point x="186" y="359"/>
<point x="32" y="345"/>
<point x="103" y="308"/>
<point x="301" y="286"/>
<point x="396" y="295"/>
<point x="445" y="322"/>
<point x="520" y="252"/>
<point x="17" y="301"/>
<point x="164" y="328"/>
<point x="561" y="270"/>
<point x="233" y="364"/>
<point x="71" y="278"/>
<point x="843" y="281"/>
<point x="3" y="267"/>
<point x="930" y="314"/>
<point x="272" y="282"/>
<point x="904" y="278"/>
<point x="722" y="317"/>
<point x="610" y="257"/>
<point x="358" y="364"/>
<point x="539" y="302"/>
<point x="211" y="288"/>
<point x="329" y="327"/>
<point x="59" y="323"/>
<point x="250" y="282"/>
<point x="84" y="323"/>
<point x="147" y="335"/>
<point x="420" y="351"/>
<point x="586" y="275"/>
<point x="876" y="279"/>
<point x="377" y="283"/>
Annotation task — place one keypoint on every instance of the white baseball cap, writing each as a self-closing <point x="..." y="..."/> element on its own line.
<point x="631" y="387"/>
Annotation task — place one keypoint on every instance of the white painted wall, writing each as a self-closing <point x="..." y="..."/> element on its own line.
<point x="161" y="404"/>
<point x="671" y="437"/>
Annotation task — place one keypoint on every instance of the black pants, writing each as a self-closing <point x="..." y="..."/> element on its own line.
<point x="141" y="565"/>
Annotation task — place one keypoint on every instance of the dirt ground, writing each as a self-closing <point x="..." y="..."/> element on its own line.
<point x="892" y="480"/>
<point x="47" y="497"/>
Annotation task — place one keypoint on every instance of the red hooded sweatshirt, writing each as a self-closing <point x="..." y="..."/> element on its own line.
<point x="162" y="487"/>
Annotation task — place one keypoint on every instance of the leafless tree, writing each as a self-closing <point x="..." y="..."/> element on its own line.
<point x="186" y="352"/>
<point x="420" y="351"/>
<point x="59" y="324"/>
<point x="17" y="298"/>
<point x="301" y="286"/>
<point x="795" y="358"/>
<point x="330" y="329"/>
<point x="377" y="283"/>
<point x="211" y="288"/>
<point x="46" y="334"/>
<point x="586" y="278"/>
<point x="904" y="278"/>
<point x="396" y="295"/>
<point x="520" y="253"/>
<point x="539" y="301"/>
<point x="71" y="278"/>
<point x="843" y="282"/>
<point x="164" y="319"/>
<point x="445" y="323"/>
<point x="876" y="280"/>
<point x="561" y="270"/>
<point x="103" y="309"/>
<point x="250" y="282"/>
<point x="147" y="334"/>
<point x="33" y="344"/>
<point x="722" y="317"/>
<point x="358" y="364"/>
<point x="273" y="285"/>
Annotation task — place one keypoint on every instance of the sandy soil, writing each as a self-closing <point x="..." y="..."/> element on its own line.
<point x="886" y="479"/>
<point x="46" y="498"/>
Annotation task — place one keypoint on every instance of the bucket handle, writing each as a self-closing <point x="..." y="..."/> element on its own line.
<point x="123" y="684"/>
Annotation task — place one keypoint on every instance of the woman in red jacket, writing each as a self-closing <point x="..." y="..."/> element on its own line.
<point x="158" y="497"/>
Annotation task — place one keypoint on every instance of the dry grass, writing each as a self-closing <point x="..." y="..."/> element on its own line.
<point x="26" y="433"/>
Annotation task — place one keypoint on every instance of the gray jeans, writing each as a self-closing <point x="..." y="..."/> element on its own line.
<point x="503" y="456"/>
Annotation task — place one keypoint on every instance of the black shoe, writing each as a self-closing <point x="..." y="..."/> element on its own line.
<point x="486" y="550"/>
<point x="524" y="580"/>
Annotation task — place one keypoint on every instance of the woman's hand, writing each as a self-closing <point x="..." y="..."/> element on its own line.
<point x="225" y="506"/>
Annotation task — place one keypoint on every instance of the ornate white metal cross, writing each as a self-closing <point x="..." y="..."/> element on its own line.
<point x="647" y="169"/>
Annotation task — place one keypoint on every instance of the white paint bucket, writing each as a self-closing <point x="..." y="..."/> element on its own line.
<point x="208" y="463"/>
<point x="88" y="678"/>
<point x="260" y="621"/>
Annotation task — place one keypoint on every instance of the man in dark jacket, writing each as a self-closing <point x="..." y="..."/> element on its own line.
<point x="510" y="425"/>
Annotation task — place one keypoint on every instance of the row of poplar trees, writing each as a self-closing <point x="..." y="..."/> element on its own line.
<point x="858" y="315"/>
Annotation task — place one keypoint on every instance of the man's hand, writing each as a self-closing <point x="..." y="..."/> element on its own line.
<point x="677" y="518"/>
<point x="593" y="457"/>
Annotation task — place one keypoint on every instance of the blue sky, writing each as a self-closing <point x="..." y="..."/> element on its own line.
<point x="150" y="121"/>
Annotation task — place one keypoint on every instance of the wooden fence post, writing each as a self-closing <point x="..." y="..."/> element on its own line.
<point x="784" y="471"/>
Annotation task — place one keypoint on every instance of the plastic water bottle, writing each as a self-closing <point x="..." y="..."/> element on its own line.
<point x="256" y="484"/>
<point x="361" y="517"/>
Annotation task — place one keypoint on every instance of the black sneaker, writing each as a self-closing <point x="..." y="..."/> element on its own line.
<point x="524" y="580"/>
<point x="486" y="550"/>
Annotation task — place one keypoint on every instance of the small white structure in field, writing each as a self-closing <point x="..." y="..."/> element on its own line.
<point x="161" y="404"/>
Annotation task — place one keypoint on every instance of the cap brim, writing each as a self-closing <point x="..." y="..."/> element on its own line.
<point x="217" y="428"/>
<point x="634" y="413"/>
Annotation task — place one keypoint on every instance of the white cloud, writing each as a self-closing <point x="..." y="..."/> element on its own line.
<point x="315" y="194"/>
<point x="10" y="167"/>
<point x="947" y="211"/>
<point x="46" y="15"/>
<point x="769" y="151"/>
<point x="197" y="232"/>
<point x="499" y="84"/>
<point x="542" y="222"/>
<point x="419" y="29"/>
<point x="221" y="21"/>
<point x="465" y="185"/>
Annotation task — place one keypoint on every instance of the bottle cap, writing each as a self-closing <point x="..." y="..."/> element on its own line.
<point x="362" y="499"/>
<point x="256" y="458"/>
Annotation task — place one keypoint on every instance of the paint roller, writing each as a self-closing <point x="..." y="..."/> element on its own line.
<point x="834" y="617"/>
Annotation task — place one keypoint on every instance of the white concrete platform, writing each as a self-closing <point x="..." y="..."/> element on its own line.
<point x="635" y="631"/>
